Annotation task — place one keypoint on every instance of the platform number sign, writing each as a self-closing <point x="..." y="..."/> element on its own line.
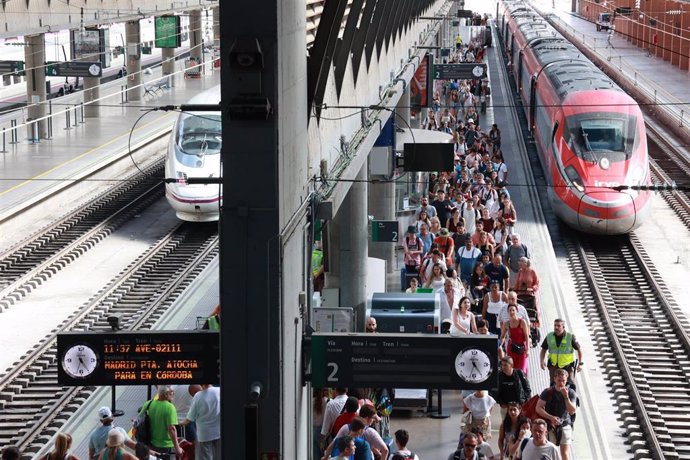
<point x="386" y="231"/>
<point x="333" y="372"/>
<point x="402" y="361"/>
<point x="459" y="71"/>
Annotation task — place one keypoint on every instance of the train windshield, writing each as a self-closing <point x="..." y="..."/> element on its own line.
<point x="609" y="135"/>
<point x="200" y="134"/>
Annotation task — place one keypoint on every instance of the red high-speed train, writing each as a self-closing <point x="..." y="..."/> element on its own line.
<point x="589" y="133"/>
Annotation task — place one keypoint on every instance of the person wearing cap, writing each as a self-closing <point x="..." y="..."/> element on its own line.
<point x="114" y="449"/>
<point x="445" y="246"/>
<point x="471" y="134"/>
<point x="414" y="248"/>
<point x="99" y="436"/>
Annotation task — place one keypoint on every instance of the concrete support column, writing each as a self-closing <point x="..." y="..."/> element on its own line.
<point x="216" y="27"/>
<point x="91" y="93"/>
<point x="382" y="207"/>
<point x="34" y="54"/>
<point x="402" y="110"/>
<point x="134" y="79"/>
<point x="195" y="36"/>
<point x="353" y="224"/>
<point x="168" y="67"/>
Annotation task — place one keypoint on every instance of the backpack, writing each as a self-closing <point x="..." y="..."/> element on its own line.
<point x="142" y="425"/>
<point x="529" y="408"/>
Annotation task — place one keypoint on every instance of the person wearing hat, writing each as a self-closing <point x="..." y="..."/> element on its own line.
<point x="445" y="246"/>
<point x="414" y="248"/>
<point x="99" y="436"/>
<point x="114" y="449"/>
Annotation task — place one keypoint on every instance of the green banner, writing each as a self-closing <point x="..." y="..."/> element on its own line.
<point x="167" y="32"/>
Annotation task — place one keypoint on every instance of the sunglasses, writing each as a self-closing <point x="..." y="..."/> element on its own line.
<point x="471" y="446"/>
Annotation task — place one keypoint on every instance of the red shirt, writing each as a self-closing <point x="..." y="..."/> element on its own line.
<point x="343" y="419"/>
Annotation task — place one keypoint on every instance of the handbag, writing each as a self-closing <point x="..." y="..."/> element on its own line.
<point x="517" y="348"/>
<point x="466" y="419"/>
<point x="142" y="425"/>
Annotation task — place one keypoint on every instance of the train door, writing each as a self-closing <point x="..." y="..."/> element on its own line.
<point x="532" y="103"/>
<point x="519" y="71"/>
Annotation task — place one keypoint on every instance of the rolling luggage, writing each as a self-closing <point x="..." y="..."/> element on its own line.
<point x="529" y="301"/>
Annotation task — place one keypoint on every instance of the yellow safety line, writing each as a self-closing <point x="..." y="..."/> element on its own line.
<point x="79" y="157"/>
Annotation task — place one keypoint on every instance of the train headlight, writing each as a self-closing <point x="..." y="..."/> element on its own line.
<point x="575" y="178"/>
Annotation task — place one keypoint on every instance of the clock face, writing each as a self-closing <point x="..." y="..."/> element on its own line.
<point x="79" y="361"/>
<point x="94" y="70"/>
<point x="473" y="365"/>
<point x="478" y="71"/>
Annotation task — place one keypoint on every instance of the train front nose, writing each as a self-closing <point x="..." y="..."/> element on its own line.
<point x="610" y="213"/>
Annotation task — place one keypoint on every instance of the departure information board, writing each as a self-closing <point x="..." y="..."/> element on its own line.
<point x="363" y="360"/>
<point x="138" y="358"/>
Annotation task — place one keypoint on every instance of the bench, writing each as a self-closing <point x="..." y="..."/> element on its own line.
<point x="158" y="85"/>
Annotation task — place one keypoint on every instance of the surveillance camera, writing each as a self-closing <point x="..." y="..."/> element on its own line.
<point x="255" y="390"/>
<point x="246" y="55"/>
<point x="114" y="322"/>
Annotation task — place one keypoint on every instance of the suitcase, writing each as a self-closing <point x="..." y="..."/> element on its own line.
<point x="187" y="449"/>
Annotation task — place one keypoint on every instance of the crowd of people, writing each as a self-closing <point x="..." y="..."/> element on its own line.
<point x="463" y="245"/>
<point x="183" y="422"/>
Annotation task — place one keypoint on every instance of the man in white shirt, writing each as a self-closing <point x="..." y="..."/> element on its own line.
<point x="538" y="447"/>
<point x="503" y="316"/>
<point x="205" y="411"/>
<point x="333" y="408"/>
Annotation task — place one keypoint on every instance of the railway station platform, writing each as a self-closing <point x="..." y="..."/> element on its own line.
<point x="597" y="433"/>
<point x="31" y="169"/>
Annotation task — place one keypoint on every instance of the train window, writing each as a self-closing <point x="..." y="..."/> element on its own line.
<point x="610" y="135"/>
<point x="200" y="134"/>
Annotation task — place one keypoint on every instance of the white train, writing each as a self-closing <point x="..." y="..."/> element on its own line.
<point x="194" y="152"/>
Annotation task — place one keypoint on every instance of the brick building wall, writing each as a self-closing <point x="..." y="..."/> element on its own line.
<point x="661" y="26"/>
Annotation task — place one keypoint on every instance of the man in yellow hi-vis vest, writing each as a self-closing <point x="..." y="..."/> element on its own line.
<point x="561" y="346"/>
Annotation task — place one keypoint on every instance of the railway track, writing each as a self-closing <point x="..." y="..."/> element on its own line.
<point x="643" y="341"/>
<point x="669" y="165"/>
<point x="32" y="405"/>
<point x="32" y="261"/>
